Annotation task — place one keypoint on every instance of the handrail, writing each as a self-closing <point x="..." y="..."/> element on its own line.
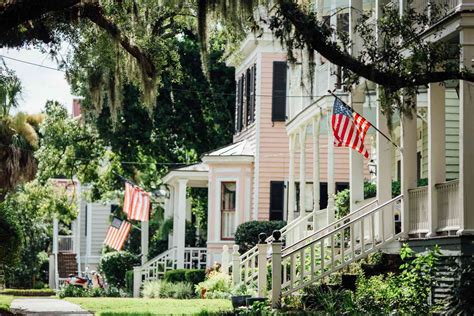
<point x="343" y="226"/>
<point x="252" y="251"/>
<point x="157" y="258"/>
<point x="342" y="219"/>
<point x="454" y="181"/>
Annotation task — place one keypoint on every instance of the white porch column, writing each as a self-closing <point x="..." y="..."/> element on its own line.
<point x="408" y="165"/>
<point x="55" y="251"/>
<point x="384" y="164"/>
<point x="356" y="160"/>
<point x="302" y="178"/>
<point x="316" y="172"/>
<point x="291" y="179"/>
<point x="436" y="150"/>
<point x="89" y="233"/>
<point x="145" y="226"/>
<point x="331" y="183"/>
<point x="466" y="132"/>
<point x="181" y="222"/>
<point x="175" y="202"/>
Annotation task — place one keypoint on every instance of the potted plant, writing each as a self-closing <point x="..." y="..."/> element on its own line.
<point x="240" y="293"/>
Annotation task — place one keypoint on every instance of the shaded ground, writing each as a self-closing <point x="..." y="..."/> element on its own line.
<point x="45" y="306"/>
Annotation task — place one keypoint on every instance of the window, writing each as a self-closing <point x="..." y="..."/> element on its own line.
<point x="323" y="196"/>
<point x="239" y="104"/>
<point x="228" y="194"/>
<point x="277" y="189"/>
<point x="279" y="91"/>
<point x="252" y="94"/>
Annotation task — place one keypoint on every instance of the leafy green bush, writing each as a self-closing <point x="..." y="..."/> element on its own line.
<point x="324" y="298"/>
<point x="29" y="292"/>
<point x="151" y="289"/>
<point x="174" y="276"/>
<point x="114" y="265"/>
<point x="70" y="290"/>
<point x="216" y="285"/>
<point x="163" y="289"/>
<point x="247" y="233"/>
<point x="342" y="199"/>
<point x="407" y="293"/>
<point x="195" y="276"/>
<point x="180" y="290"/>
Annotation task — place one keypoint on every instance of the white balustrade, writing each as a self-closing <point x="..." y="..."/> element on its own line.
<point x="65" y="243"/>
<point x="156" y="268"/>
<point x="195" y="258"/>
<point x="295" y="234"/>
<point x="418" y="210"/>
<point x="449" y="210"/>
<point x="331" y="249"/>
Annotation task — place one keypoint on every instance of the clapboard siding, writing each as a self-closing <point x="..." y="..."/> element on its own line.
<point x="100" y="223"/>
<point x="452" y="134"/>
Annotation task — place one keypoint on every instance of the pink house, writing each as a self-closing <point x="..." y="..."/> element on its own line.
<point x="247" y="180"/>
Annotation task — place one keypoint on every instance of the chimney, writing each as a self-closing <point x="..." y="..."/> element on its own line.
<point x="76" y="107"/>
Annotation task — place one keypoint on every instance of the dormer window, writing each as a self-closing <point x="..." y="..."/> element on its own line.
<point x="245" y="99"/>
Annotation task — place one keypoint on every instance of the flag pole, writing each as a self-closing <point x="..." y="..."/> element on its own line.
<point x="373" y="126"/>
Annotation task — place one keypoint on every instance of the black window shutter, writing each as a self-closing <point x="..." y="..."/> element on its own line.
<point x="238" y="110"/>
<point x="252" y="94"/>
<point x="276" y="200"/>
<point x="279" y="91"/>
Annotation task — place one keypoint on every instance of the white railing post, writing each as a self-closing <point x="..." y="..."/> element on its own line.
<point x="225" y="259"/>
<point x="137" y="281"/>
<point x="235" y="265"/>
<point x="276" y="269"/>
<point x="262" y="265"/>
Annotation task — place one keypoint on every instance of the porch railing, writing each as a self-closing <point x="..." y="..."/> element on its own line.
<point x="65" y="243"/>
<point x="195" y="258"/>
<point x="448" y="205"/>
<point x="418" y="215"/>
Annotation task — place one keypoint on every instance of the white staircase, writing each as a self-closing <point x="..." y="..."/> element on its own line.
<point x="351" y="238"/>
<point x="316" y="253"/>
<point x="154" y="269"/>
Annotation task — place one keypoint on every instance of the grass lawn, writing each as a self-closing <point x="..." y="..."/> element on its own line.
<point x="5" y="301"/>
<point x="107" y="306"/>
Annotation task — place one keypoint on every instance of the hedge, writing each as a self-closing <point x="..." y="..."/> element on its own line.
<point x="28" y="292"/>
<point x="247" y="233"/>
<point x="193" y="276"/>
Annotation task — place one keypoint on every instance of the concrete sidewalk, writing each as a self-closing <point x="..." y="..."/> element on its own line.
<point x="45" y="306"/>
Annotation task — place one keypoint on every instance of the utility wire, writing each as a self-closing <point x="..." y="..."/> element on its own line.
<point x="167" y="89"/>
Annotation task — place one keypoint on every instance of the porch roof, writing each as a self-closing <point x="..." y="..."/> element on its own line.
<point x="196" y="175"/>
<point x="233" y="153"/>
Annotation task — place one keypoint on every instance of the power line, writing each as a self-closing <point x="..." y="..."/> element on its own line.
<point x="31" y="63"/>
<point x="167" y="89"/>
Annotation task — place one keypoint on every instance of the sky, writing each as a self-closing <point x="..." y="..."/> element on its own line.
<point x="39" y="84"/>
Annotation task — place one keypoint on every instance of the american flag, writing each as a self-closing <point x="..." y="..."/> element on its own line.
<point x="117" y="233"/>
<point x="140" y="209"/>
<point x="128" y="198"/>
<point x="349" y="128"/>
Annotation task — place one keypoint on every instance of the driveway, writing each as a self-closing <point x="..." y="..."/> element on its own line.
<point x="45" y="306"/>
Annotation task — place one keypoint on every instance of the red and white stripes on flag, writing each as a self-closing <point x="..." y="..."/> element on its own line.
<point x="140" y="210"/>
<point x="128" y="198"/>
<point x="117" y="233"/>
<point x="349" y="128"/>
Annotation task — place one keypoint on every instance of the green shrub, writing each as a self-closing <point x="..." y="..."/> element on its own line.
<point x="246" y="235"/>
<point x="163" y="289"/>
<point x="151" y="289"/>
<point x="174" y="276"/>
<point x="180" y="290"/>
<point x="342" y="199"/>
<point x="29" y="292"/>
<point x="70" y="290"/>
<point x="195" y="276"/>
<point x="216" y="285"/>
<point x="114" y="265"/>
